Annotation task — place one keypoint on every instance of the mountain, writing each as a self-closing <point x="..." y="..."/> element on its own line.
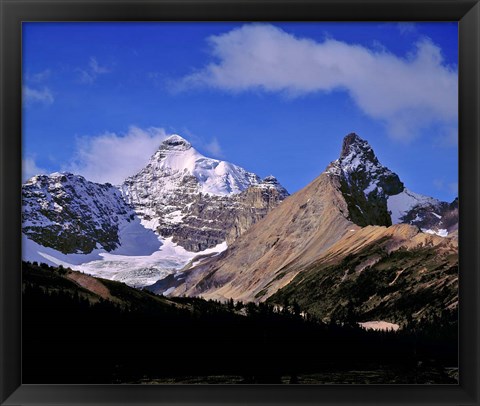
<point x="180" y="205"/>
<point x="376" y="196"/>
<point x="72" y="215"/>
<point x="198" y="201"/>
<point x="355" y="198"/>
<point x="364" y="183"/>
<point x="290" y="236"/>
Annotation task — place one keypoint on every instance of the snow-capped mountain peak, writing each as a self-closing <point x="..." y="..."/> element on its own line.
<point x="176" y="161"/>
<point x="376" y="196"/>
<point x="359" y="167"/>
<point x="175" y="142"/>
<point x="355" y="149"/>
<point x="196" y="199"/>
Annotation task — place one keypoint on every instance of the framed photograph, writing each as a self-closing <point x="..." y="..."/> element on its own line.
<point x="240" y="202"/>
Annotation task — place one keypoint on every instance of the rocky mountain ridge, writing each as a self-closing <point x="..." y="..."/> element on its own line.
<point x="196" y="201"/>
<point x="277" y="246"/>
<point x="354" y="196"/>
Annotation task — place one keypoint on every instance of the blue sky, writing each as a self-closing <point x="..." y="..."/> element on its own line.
<point x="273" y="98"/>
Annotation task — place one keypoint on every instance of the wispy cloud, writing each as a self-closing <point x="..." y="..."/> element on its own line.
<point x="113" y="157"/>
<point x="39" y="76"/>
<point x="406" y="94"/>
<point x="30" y="168"/>
<point x="208" y="145"/>
<point x="214" y="148"/>
<point x="91" y="73"/>
<point x="96" y="68"/>
<point x="407" y="28"/>
<point x="31" y="95"/>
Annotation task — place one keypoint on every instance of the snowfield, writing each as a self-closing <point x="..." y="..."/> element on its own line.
<point x="142" y="258"/>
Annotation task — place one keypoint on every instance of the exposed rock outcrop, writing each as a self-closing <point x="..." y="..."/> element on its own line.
<point x="69" y="213"/>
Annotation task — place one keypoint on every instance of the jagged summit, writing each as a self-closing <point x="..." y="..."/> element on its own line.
<point x="61" y="176"/>
<point x="375" y="195"/>
<point x="175" y="142"/>
<point x="270" y="179"/>
<point x="355" y="147"/>
<point x="360" y="169"/>
<point x="59" y="179"/>
<point x="349" y="140"/>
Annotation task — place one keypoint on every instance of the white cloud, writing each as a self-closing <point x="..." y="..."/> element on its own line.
<point x="31" y="95"/>
<point x="407" y="94"/>
<point x="90" y="74"/>
<point x="112" y="157"/>
<point x="214" y="148"/>
<point x="30" y="168"/>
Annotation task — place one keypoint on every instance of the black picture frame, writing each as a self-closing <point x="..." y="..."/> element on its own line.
<point x="13" y="12"/>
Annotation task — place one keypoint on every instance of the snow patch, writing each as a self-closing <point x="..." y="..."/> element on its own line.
<point x="168" y="291"/>
<point x="400" y="204"/>
<point x="442" y="232"/>
<point x="370" y="188"/>
<point x="379" y="325"/>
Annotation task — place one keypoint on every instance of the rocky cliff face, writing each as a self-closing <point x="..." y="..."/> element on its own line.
<point x="365" y="183"/>
<point x="198" y="201"/>
<point x="69" y="213"/>
<point x="376" y="196"/>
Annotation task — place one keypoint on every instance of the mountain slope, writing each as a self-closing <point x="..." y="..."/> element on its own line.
<point x="72" y="215"/>
<point x="353" y="192"/>
<point x="305" y="224"/>
<point x="198" y="201"/>
<point x="377" y="273"/>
